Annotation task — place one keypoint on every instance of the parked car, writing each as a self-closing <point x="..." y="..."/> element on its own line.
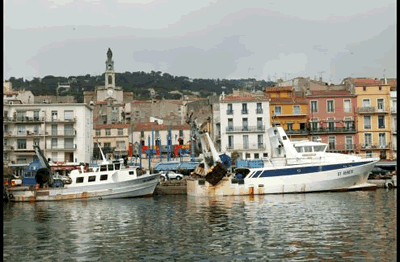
<point x="377" y="171"/>
<point x="168" y="175"/>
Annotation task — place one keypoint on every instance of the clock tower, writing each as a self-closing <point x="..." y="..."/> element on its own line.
<point x="110" y="74"/>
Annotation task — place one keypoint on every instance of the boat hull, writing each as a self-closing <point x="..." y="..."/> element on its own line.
<point x="335" y="180"/>
<point x="142" y="186"/>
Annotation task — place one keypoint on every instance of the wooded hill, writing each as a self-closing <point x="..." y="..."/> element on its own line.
<point x="138" y="83"/>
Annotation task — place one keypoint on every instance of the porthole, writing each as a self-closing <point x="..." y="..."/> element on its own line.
<point x="299" y="170"/>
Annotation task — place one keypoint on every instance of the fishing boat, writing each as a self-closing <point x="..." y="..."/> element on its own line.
<point x="296" y="167"/>
<point x="109" y="180"/>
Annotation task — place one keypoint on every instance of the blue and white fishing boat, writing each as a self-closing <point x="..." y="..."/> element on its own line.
<point x="293" y="168"/>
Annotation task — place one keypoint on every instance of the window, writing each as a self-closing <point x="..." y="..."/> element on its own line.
<point x="382" y="154"/>
<point x="259" y="123"/>
<point x="68" y="143"/>
<point x="108" y="132"/>
<point x="347" y="105"/>
<point x="36" y="129"/>
<point x="366" y="103"/>
<point x="245" y="141"/>
<point x="110" y="167"/>
<point x="259" y="108"/>
<point x="319" y="148"/>
<point x="21" y="115"/>
<point x="230" y="124"/>
<point x="230" y="142"/>
<point x="331" y="124"/>
<point x="290" y="126"/>
<point x="36" y="141"/>
<point x="315" y="138"/>
<point x="103" y="168"/>
<point x="296" y="110"/>
<point x="256" y="156"/>
<point x="348" y="123"/>
<point x="92" y="179"/>
<point x="68" y="129"/>
<point x="121" y="144"/>
<point x="302" y="126"/>
<point x="21" y="143"/>
<point x="157" y="133"/>
<point x="265" y="155"/>
<point x="364" y="88"/>
<point x="54" y="156"/>
<point x="181" y="133"/>
<point x="380" y="88"/>
<point x="330" y="108"/>
<point x="120" y="132"/>
<point x="382" y="140"/>
<point x="314" y="106"/>
<point x="229" y="111"/>
<point x="314" y="125"/>
<point x="367" y="122"/>
<point x="247" y="156"/>
<point x="21" y="130"/>
<point x="79" y="180"/>
<point x="36" y="115"/>
<point x="380" y="105"/>
<point x="245" y="124"/>
<point x="54" y="142"/>
<point x="367" y="139"/>
<point x="244" y="108"/>
<point x="98" y="132"/>
<point x="54" y="115"/>
<point x="395" y="124"/>
<point x="53" y="130"/>
<point x="368" y="153"/>
<point x="307" y="149"/>
<point x="141" y="133"/>
<point x="381" y="121"/>
<point x="332" y="142"/>
<point x="349" y="142"/>
<point x="278" y="110"/>
<point x="260" y="140"/>
<point x="68" y="114"/>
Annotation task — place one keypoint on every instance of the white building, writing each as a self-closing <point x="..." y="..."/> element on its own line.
<point x="393" y="105"/>
<point x="63" y="132"/>
<point x="242" y="125"/>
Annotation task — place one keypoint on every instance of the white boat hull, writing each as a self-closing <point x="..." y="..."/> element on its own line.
<point x="338" y="179"/>
<point x="142" y="186"/>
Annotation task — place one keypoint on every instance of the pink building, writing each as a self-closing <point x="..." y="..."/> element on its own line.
<point x="332" y="115"/>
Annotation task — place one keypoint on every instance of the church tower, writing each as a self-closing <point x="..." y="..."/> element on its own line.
<point x="110" y="75"/>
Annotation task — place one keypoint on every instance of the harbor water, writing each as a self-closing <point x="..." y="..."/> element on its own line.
<point x="339" y="226"/>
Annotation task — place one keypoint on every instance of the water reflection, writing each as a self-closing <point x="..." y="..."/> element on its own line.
<point x="336" y="226"/>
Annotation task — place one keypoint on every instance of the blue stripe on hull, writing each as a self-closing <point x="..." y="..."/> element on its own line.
<point x="305" y="170"/>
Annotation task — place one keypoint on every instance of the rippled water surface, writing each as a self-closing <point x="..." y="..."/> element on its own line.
<point x="343" y="226"/>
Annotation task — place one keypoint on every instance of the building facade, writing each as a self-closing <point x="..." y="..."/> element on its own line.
<point x="113" y="140"/>
<point x="242" y="125"/>
<point x="332" y="117"/>
<point x="393" y="114"/>
<point x="62" y="131"/>
<point x="374" y="118"/>
<point x="288" y="111"/>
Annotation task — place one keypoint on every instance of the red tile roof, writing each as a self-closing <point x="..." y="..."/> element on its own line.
<point x="286" y="100"/>
<point x="330" y="93"/>
<point x="110" y="126"/>
<point x="150" y="125"/>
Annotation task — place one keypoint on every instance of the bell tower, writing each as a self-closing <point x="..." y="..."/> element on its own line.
<point x="109" y="73"/>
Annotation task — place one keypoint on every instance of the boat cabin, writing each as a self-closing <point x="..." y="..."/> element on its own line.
<point x="310" y="147"/>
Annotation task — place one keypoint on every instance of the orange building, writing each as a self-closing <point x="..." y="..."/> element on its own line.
<point x="288" y="111"/>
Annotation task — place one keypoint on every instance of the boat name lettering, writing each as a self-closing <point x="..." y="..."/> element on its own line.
<point x="347" y="172"/>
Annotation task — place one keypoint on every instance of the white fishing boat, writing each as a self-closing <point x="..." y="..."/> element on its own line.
<point x="109" y="180"/>
<point x="294" y="168"/>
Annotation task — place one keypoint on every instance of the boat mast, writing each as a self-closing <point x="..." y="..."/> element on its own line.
<point x="102" y="155"/>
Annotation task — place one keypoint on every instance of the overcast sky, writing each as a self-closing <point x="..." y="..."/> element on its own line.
<point x="202" y="39"/>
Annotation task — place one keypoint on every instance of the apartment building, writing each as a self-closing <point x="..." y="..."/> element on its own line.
<point x="288" y="111"/>
<point x="63" y="132"/>
<point x="113" y="140"/>
<point x="374" y="118"/>
<point x="333" y="116"/>
<point x="242" y="125"/>
<point x="393" y="114"/>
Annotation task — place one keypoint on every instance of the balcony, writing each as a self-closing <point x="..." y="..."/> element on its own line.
<point x="297" y="132"/>
<point x="375" y="146"/>
<point x="63" y="132"/>
<point x="249" y="147"/>
<point x="24" y="119"/>
<point x="229" y="112"/>
<point x="23" y="133"/>
<point x="372" y="110"/>
<point x="245" y="129"/>
<point x="8" y="148"/>
<point x="259" y="111"/>
<point x="393" y="111"/>
<point x="59" y="120"/>
<point x="343" y="130"/>
<point x="244" y="112"/>
<point x="342" y="148"/>
<point x="298" y="113"/>
<point x="63" y="147"/>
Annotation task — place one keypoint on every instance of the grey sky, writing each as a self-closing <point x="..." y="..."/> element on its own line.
<point x="202" y="39"/>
